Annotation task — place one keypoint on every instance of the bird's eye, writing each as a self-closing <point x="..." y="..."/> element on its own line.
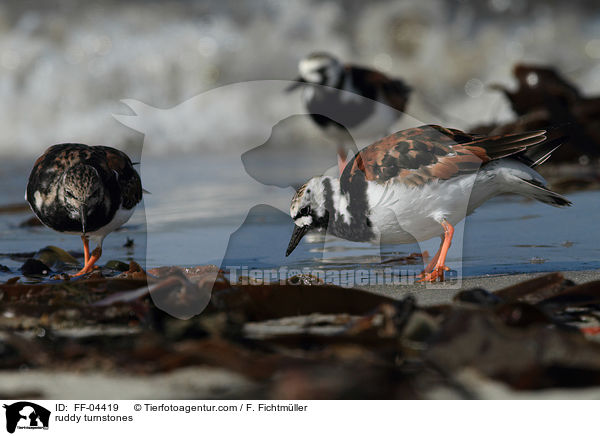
<point x="305" y="210"/>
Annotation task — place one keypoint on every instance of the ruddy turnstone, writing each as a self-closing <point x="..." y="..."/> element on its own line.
<point x="85" y="190"/>
<point x="420" y="182"/>
<point x="380" y="101"/>
<point x="540" y="88"/>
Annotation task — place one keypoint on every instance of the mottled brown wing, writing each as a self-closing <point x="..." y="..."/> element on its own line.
<point x="128" y="178"/>
<point x="421" y="154"/>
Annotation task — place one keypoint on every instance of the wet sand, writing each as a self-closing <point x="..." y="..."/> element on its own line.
<point x="431" y="294"/>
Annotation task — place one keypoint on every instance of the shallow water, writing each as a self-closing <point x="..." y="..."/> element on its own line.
<point x="216" y="198"/>
<point x="197" y="216"/>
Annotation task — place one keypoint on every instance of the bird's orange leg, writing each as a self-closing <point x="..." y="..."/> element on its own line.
<point x="433" y="261"/>
<point x="342" y="157"/>
<point x="438" y="270"/>
<point x="89" y="265"/>
<point x="86" y="249"/>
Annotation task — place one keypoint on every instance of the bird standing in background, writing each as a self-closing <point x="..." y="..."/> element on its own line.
<point x="370" y="104"/>
<point x="85" y="190"/>
<point x="420" y="182"/>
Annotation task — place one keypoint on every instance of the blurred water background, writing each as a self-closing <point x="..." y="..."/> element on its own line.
<point x="66" y="65"/>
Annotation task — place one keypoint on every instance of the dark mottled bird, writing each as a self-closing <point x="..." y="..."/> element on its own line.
<point x="370" y="104"/>
<point x="85" y="190"/>
<point x="419" y="183"/>
<point x="539" y="88"/>
<point x="545" y="98"/>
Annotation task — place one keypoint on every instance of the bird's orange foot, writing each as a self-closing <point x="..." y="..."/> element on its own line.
<point x="83" y="271"/>
<point x="90" y="265"/>
<point x="433" y="276"/>
<point x="425" y="272"/>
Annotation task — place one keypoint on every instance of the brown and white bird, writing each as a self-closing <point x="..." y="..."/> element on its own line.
<point x="420" y="182"/>
<point x="84" y="190"/>
<point x="342" y="98"/>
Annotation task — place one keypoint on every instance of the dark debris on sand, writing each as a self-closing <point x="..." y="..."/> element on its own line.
<point x="544" y="99"/>
<point x="304" y="341"/>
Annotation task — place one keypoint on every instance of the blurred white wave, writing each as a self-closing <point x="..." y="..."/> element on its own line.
<point x="64" y="70"/>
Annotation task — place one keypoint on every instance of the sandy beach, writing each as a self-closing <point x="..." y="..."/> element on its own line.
<point x="427" y="294"/>
<point x="224" y="380"/>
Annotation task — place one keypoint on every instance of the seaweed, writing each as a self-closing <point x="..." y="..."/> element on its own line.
<point x="304" y="341"/>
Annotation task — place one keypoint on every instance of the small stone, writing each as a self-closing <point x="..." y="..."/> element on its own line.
<point x="56" y="257"/>
<point x="34" y="267"/>
<point x="305" y="279"/>
<point x="117" y="265"/>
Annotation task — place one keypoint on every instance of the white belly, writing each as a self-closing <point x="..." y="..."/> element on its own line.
<point x="120" y="218"/>
<point x="406" y="214"/>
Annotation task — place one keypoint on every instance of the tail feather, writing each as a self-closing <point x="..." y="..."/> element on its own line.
<point x="538" y="154"/>
<point x="532" y="148"/>
<point x="543" y="158"/>
<point x="497" y="147"/>
<point x="532" y="189"/>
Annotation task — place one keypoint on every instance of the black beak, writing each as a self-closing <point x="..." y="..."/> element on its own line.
<point x="297" y="83"/>
<point x="297" y="235"/>
<point x="82" y="215"/>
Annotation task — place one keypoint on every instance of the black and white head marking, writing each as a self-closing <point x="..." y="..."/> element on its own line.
<point x="308" y="210"/>
<point x="308" y="207"/>
<point x="321" y="69"/>
<point x="320" y="205"/>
